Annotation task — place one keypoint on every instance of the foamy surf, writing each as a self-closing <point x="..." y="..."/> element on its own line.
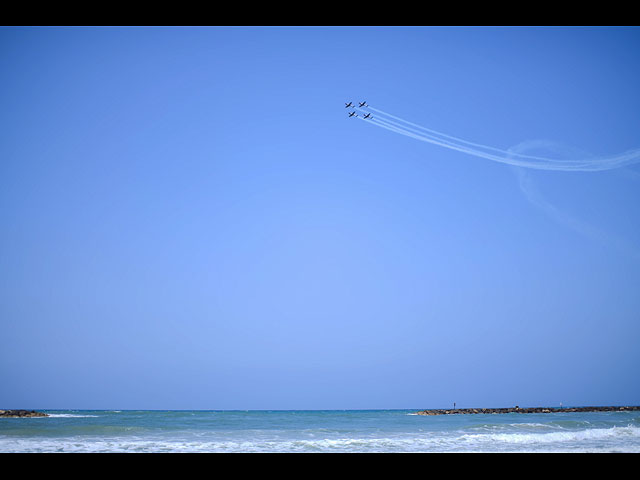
<point x="70" y="415"/>
<point x="320" y="431"/>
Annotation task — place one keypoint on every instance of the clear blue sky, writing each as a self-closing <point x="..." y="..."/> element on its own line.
<point x="190" y="220"/>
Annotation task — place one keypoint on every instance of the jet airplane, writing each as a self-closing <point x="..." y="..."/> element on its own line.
<point x="353" y="114"/>
<point x="347" y="105"/>
<point x="363" y="104"/>
<point x="367" y="115"/>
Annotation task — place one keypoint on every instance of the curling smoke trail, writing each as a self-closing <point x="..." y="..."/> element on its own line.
<point x="398" y="125"/>
<point x="516" y="157"/>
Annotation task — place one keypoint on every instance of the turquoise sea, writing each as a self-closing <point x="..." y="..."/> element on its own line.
<point x="318" y="431"/>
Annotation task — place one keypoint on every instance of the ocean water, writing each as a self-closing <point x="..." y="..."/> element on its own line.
<point x="361" y="431"/>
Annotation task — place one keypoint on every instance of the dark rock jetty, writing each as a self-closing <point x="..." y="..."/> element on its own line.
<point x="21" y="414"/>
<point x="517" y="409"/>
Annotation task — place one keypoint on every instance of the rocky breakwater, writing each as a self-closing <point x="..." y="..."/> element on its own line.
<point x="21" y="414"/>
<point x="517" y="409"/>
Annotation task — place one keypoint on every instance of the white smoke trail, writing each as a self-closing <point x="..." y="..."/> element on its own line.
<point x="516" y="157"/>
<point x="507" y="158"/>
<point x="510" y="159"/>
<point x="412" y="130"/>
<point x="535" y="198"/>
<point x="456" y="143"/>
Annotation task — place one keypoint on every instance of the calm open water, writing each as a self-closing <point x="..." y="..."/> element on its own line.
<point x="319" y="431"/>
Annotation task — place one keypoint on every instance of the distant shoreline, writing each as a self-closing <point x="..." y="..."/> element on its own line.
<point x="451" y="411"/>
<point x="516" y="409"/>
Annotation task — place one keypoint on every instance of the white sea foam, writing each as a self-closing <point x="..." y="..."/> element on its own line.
<point x="358" y="431"/>
<point x="614" y="439"/>
<point x="69" y="415"/>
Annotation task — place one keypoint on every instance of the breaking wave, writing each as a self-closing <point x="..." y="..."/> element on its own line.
<point x="613" y="439"/>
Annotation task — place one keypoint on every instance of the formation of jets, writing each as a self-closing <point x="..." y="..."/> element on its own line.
<point x="360" y="105"/>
